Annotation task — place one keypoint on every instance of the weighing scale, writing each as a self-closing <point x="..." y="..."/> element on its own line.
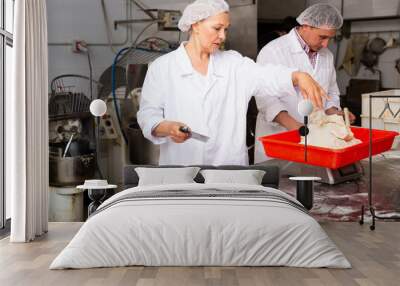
<point x="328" y="176"/>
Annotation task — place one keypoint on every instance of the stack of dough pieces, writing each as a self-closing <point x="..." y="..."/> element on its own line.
<point x="329" y="131"/>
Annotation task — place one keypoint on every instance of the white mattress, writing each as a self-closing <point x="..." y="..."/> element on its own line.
<point x="204" y="231"/>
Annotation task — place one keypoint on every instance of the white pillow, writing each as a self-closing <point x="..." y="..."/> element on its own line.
<point x="248" y="177"/>
<point x="165" y="176"/>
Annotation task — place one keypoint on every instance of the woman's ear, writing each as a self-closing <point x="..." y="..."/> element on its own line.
<point x="195" y="28"/>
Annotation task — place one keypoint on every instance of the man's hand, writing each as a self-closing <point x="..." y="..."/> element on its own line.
<point x="309" y="88"/>
<point x="171" y="129"/>
<point x="334" y="110"/>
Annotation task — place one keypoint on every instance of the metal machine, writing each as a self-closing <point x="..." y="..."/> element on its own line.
<point x="71" y="158"/>
<point x="71" y="153"/>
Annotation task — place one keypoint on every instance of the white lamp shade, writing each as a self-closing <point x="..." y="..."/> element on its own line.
<point x="98" y="107"/>
<point x="305" y="107"/>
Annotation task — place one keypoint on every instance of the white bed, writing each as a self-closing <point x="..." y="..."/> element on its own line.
<point x="250" y="226"/>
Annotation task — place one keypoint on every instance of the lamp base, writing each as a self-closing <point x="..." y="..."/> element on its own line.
<point x="305" y="190"/>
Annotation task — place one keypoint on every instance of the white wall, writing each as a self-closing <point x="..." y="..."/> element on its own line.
<point x="80" y="20"/>
<point x="83" y="20"/>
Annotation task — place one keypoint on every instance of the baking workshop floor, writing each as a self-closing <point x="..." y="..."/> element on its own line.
<point x="342" y="202"/>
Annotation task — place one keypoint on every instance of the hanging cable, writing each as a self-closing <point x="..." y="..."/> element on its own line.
<point x="107" y="26"/>
<point x="121" y="52"/>
<point x="141" y="33"/>
<point x="113" y="84"/>
<point x="90" y="75"/>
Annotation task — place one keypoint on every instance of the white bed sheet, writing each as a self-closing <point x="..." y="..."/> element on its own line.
<point x="200" y="232"/>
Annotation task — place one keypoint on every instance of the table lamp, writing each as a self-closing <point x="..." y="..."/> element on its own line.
<point x="304" y="189"/>
<point x="98" y="108"/>
<point x="305" y="108"/>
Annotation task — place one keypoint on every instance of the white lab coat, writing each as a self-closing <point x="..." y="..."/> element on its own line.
<point x="286" y="50"/>
<point x="215" y="106"/>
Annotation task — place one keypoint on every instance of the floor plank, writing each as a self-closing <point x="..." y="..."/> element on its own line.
<point x="375" y="257"/>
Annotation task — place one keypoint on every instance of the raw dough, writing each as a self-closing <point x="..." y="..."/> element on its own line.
<point x="329" y="131"/>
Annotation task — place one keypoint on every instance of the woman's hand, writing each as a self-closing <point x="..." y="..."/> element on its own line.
<point x="171" y="129"/>
<point x="334" y="110"/>
<point x="309" y="88"/>
<point x="286" y="120"/>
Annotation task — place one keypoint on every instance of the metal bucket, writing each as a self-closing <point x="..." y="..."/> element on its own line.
<point x="66" y="204"/>
<point x="71" y="171"/>
<point x="141" y="150"/>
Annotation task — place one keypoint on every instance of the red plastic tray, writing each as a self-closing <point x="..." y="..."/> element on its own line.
<point x="286" y="146"/>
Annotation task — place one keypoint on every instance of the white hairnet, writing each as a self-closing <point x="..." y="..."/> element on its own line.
<point x="320" y="15"/>
<point x="200" y="10"/>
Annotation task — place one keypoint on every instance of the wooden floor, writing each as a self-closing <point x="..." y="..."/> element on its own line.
<point x="375" y="257"/>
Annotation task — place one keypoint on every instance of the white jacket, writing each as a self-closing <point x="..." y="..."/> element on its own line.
<point x="286" y="50"/>
<point x="215" y="106"/>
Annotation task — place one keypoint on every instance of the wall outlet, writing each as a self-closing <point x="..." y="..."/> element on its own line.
<point x="79" y="46"/>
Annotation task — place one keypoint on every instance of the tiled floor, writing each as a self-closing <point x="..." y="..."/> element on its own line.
<point x="343" y="202"/>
